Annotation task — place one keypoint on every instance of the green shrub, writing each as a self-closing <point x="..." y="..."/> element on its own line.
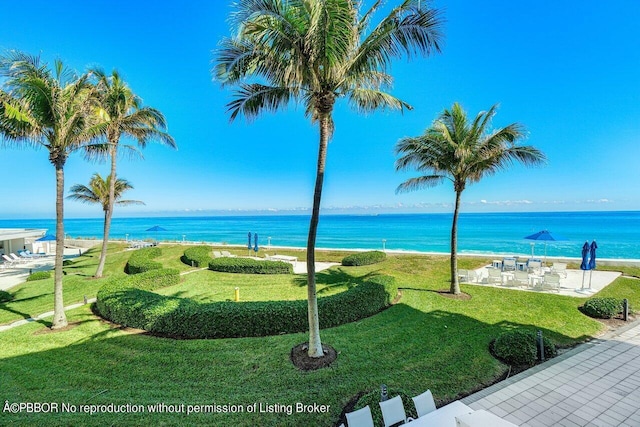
<point x="197" y="256"/>
<point x="364" y="258"/>
<point x="373" y="400"/>
<point x="141" y="260"/>
<point x="602" y="308"/>
<point x="68" y="262"/>
<point x="123" y="303"/>
<point x="249" y="266"/>
<point x="5" y="296"/>
<point x="519" y="347"/>
<point x="39" y="275"/>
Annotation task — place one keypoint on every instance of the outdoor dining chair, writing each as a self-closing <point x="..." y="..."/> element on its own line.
<point x="551" y="281"/>
<point x="495" y="276"/>
<point x="360" y="418"/>
<point x="519" y="278"/>
<point x="393" y="412"/>
<point x="508" y="264"/>
<point x="424" y="403"/>
<point x="559" y="268"/>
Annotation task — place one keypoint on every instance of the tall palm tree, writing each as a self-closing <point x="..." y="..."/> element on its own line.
<point x="315" y="52"/>
<point x="122" y="114"/>
<point x="51" y="108"/>
<point x="98" y="193"/>
<point x="463" y="152"/>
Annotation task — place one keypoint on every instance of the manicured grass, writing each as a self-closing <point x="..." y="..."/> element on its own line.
<point x="424" y="341"/>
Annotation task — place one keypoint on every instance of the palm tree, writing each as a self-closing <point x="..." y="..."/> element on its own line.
<point x="122" y="114"/>
<point x="98" y="192"/>
<point x="315" y="52"/>
<point x="464" y="153"/>
<point x="52" y="109"/>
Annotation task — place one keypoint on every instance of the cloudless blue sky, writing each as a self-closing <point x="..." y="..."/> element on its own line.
<point x="568" y="70"/>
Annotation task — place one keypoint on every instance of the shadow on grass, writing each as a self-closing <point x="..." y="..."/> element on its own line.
<point x="336" y="276"/>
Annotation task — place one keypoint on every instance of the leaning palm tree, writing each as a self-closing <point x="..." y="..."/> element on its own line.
<point x="52" y="109"/>
<point x="122" y="114"/>
<point x="463" y="152"/>
<point x="315" y="52"/>
<point x="98" y="192"/>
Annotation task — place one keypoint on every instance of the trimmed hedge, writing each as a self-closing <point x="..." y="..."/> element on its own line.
<point x="197" y="256"/>
<point x="141" y="260"/>
<point x="519" y="347"/>
<point x="249" y="266"/>
<point x="170" y="316"/>
<point x="39" y="275"/>
<point x="364" y="258"/>
<point x="602" y="308"/>
<point x="372" y="399"/>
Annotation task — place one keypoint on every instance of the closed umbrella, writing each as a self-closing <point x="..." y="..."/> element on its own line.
<point x="592" y="260"/>
<point x="255" y="239"/>
<point x="248" y="243"/>
<point x="544" y="236"/>
<point x="585" y="261"/>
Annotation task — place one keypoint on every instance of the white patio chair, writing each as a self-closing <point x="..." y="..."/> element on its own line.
<point x="519" y="278"/>
<point x="360" y="418"/>
<point x="424" y="403"/>
<point x="508" y="264"/>
<point x="551" y="281"/>
<point x="495" y="276"/>
<point x="393" y="412"/>
<point x="467" y="276"/>
<point x="534" y="265"/>
<point x="559" y="268"/>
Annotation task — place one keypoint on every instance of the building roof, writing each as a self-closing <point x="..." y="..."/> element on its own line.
<point x="21" y="233"/>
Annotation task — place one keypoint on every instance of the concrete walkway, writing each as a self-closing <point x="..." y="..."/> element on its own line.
<point x="594" y="384"/>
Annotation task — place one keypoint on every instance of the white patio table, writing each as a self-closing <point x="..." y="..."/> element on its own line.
<point x="442" y="417"/>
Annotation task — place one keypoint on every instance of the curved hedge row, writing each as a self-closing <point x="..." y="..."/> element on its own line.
<point x="170" y="316"/>
<point x="364" y="258"/>
<point x="197" y="256"/>
<point x="141" y="260"/>
<point x="39" y="275"/>
<point x="249" y="266"/>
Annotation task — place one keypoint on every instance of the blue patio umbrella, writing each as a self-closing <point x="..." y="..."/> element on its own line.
<point x="255" y="239"/>
<point x="585" y="261"/>
<point x="249" y="241"/>
<point x="592" y="260"/>
<point x="46" y="238"/>
<point x="155" y="229"/>
<point x="544" y="236"/>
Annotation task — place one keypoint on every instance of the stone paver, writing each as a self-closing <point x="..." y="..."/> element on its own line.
<point x="594" y="384"/>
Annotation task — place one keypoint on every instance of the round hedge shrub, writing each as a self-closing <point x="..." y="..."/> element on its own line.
<point x="249" y="266"/>
<point x="5" y="296"/>
<point x="364" y="258"/>
<point x="519" y="347"/>
<point x="602" y="308"/>
<point x="130" y="304"/>
<point x="373" y="400"/>
<point x="197" y="256"/>
<point x="141" y="260"/>
<point x="39" y="275"/>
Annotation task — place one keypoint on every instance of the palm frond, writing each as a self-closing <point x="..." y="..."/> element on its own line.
<point x="420" y="182"/>
<point x="365" y="100"/>
<point x="252" y="99"/>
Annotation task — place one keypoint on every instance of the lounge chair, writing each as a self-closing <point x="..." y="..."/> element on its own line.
<point x="8" y="262"/>
<point x="360" y="418"/>
<point x="393" y="412"/>
<point x="551" y="281"/>
<point x="519" y="278"/>
<point x="495" y="276"/>
<point x="424" y="403"/>
<point x="559" y="268"/>
<point x="17" y="259"/>
<point x="508" y="264"/>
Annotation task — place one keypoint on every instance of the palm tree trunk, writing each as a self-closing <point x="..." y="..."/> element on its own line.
<point x="315" y="345"/>
<point x="59" y="317"/>
<point x="455" y="284"/>
<point x="108" y="213"/>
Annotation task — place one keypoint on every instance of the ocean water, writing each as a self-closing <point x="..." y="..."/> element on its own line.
<point x="617" y="233"/>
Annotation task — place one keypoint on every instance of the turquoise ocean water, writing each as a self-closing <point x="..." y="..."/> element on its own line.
<point x="617" y="233"/>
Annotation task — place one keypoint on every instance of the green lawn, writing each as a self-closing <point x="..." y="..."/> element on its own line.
<point x="424" y="341"/>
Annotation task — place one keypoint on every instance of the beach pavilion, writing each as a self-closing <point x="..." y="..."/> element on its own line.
<point x="18" y="239"/>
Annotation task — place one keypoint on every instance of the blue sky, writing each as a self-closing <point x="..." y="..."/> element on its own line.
<point x="569" y="71"/>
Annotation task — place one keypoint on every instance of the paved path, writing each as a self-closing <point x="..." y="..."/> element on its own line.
<point x="594" y="384"/>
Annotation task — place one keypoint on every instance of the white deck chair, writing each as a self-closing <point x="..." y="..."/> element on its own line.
<point x="495" y="276"/>
<point x="393" y="412"/>
<point x="559" y="268"/>
<point x="17" y="259"/>
<point x="360" y="418"/>
<point x="424" y="403"/>
<point x="519" y="278"/>
<point x="508" y="264"/>
<point x="8" y="262"/>
<point x="551" y="281"/>
<point x="534" y="266"/>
